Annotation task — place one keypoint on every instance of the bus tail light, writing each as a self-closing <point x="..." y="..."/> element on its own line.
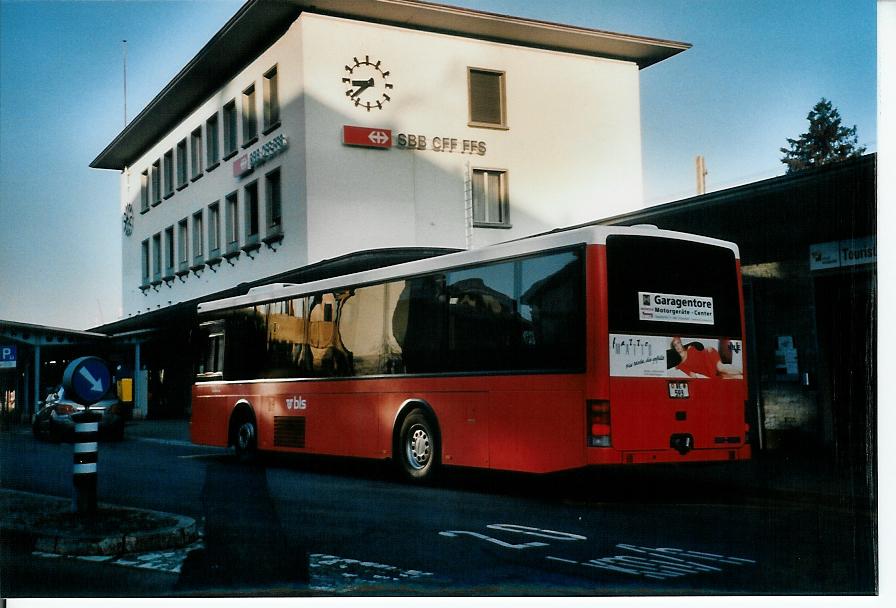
<point x="598" y="423"/>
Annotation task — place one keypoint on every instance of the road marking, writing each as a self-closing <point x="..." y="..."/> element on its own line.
<point x="328" y="573"/>
<point x="658" y="563"/>
<point x="552" y="534"/>
<point x="501" y="543"/>
<point x="662" y="563"/>
<point x="339" y="574"/>
<point x="169" y="561"/>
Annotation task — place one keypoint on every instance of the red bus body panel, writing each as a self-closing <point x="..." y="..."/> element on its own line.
<point x="495" y="421"/>
<point x="527" y="422"/>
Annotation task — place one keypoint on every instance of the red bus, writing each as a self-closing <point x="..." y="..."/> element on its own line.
<point x="592" y="346"/>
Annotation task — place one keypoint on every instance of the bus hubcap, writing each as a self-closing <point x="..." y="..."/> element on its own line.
<point x="245" y="435"/>
<point x="418" y="448"/>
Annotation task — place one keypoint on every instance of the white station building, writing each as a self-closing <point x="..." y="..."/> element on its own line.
<point x="310" y="129"/>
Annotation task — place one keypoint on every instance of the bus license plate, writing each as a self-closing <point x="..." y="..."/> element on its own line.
<point x="678" y="390"/>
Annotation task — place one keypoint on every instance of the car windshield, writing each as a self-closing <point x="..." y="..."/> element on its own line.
<point x="110" y="395"/>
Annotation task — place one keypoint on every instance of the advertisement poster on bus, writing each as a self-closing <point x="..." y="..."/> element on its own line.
<point x="675" y="357"/>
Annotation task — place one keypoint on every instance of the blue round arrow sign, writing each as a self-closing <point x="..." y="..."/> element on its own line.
<point x="87" y="379"/>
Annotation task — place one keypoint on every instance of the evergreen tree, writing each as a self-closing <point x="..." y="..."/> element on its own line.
<point x="827" y="140"/>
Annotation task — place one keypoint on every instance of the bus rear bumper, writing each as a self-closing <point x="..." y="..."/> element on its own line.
<point x="599" y="456"/>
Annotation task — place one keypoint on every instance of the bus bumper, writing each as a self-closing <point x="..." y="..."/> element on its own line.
<point x="598" y="456"/>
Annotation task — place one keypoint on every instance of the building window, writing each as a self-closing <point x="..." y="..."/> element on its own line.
<point x="198" y="239"/>
<point x="182" y="163"/>
<point x="183" y="246"/>
<point x="144" y="262"/>
<point x="273" y="202"/>
<point x="156" y="178"/>
<point x="490" y="207"/>
<point x="230" y="143"/>
<point x="168" y="166"/>
<point x="250" y="118"/>
<point x="271" y="101"/>
<point x="211" y="142"/>
<point x="250" y="203"/>
<point x="232" y="220"/>
<point x="157" y="257"/>
<point x="169" y="253"/>
<point x="214" y="231"/>
<point x="144" y="191"/>
<point x="196" y="152"/>
<point x="487" y="99"/>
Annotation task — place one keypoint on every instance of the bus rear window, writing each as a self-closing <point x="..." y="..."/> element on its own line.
<point x="671" y="287"/>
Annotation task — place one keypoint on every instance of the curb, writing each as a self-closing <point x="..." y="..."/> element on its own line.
<point x="172" y="531"/>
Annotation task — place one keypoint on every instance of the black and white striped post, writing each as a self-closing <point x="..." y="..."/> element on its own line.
<point x="84" y="459"/>
<point x="86" y="380"/>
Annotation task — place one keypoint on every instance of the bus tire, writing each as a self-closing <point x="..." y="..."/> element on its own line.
<point x="244" y="436"/>
<point x="417" y="448"/>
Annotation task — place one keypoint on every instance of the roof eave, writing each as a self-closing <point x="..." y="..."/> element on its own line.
<point x="259" y="23"/>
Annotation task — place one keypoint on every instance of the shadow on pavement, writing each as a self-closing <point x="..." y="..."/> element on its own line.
<point x="245" y="549"/>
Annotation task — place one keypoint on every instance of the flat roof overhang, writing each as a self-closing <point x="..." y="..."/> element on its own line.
<point x="259" y="23"/>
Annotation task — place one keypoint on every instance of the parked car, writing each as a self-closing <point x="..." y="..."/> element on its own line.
<point x="54" y="419"/>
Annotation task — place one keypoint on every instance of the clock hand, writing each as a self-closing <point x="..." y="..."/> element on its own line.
<point x="362" y="86"/>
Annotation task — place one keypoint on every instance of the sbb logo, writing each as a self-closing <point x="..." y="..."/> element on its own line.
<point x="296" y="403"/>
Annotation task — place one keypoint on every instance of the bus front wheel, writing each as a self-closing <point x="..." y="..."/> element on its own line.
<point x="417" y="451"/>
<point x="245" y="438"/>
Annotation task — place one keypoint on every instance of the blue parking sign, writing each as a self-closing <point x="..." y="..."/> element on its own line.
<point x="7" y="356"/>
<point x="87" y="379"/>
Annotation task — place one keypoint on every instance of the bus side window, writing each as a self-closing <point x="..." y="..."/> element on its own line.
<point x="329" y="354"/>
<point x="418" y="317"/>
<point x="552" y="305"/>
<point x="483" y="327"/>
<point x="288" y="352"/>
<point x="210" y="358"/>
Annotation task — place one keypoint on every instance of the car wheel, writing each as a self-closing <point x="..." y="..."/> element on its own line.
<point x="417" y="451"/>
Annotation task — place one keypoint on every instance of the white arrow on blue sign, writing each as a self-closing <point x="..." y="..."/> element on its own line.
<point x="87" y="379"/>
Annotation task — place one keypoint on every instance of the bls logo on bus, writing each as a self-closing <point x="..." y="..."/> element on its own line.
<point x="296" y="403"/>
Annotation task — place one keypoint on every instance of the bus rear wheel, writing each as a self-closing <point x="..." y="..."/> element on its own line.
<point x="417" y="449"/>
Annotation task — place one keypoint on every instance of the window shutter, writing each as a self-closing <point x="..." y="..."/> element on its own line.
<point x="485" y="97"/>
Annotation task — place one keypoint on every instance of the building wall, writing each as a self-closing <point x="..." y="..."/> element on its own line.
<point x="571" y="149"/>
<point x="571" y="152"/>
<point x="217" y="183"/>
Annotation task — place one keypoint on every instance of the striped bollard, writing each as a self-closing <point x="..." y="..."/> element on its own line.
<point x="84" y="457"/>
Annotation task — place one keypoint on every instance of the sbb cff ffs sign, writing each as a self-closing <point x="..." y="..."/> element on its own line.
<point x="366" y="137"/>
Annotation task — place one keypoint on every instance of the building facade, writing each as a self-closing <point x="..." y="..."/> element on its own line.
<point x="306" y="131"/>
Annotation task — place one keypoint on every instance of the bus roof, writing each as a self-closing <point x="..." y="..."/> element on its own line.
<point x="589" y="235"/>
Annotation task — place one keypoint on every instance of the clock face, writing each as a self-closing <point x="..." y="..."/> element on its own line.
<point x="127" y="220"/>
<point x="367" y="83"/>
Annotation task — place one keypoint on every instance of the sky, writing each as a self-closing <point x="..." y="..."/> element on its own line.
<point x="755" y="70"/>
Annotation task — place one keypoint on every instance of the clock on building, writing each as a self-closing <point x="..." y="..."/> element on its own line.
<point x="127" y="220"/>
<point x="368" y="83"/>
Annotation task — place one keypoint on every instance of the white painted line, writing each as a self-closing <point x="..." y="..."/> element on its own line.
<point x="83" y="469"/>
<point x="85" y="448"/>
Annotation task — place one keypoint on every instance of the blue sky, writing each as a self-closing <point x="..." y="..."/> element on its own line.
<point x="755" y="70"/>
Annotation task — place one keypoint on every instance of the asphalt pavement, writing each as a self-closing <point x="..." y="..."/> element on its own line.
<point x="47" y="521"/>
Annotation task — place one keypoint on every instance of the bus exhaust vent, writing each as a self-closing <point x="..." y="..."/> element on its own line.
<point x="289" y="431"/>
